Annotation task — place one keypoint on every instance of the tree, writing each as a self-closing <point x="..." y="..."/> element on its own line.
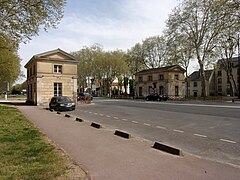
<point x="9" y="61"/>
<point x="154" y="51"/>
<point x="135" y="59"/>
<point x="179" y="51"/>
<point x="226" y="50"/>
<point x="115" y="67"/>
<point x="103" y="67"/>
<point x="86" y="66"/>
<point x="202" y="22"/>
<point x="20" y="20"/>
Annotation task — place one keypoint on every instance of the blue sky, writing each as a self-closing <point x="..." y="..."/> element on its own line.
<point x="115" y="24"/>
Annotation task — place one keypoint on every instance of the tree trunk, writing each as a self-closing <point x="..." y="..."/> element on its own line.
<point x="186" y="93"/>
<point x="234" y="85"/>
<point x="202" y="74"/>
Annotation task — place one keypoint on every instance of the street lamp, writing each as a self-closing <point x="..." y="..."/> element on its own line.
<point x="238" y="71"/>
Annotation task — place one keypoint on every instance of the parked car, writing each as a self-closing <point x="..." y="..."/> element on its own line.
<point x="84" y="96"/>
<point x="156" y="97"/>
<point x="61" y="103"/>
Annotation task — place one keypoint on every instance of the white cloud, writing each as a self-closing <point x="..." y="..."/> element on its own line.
<point x="115" y="25"/>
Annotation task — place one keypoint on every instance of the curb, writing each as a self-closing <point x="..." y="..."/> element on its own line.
<point x="122" y="134"/>
<point x="168" y="149"/>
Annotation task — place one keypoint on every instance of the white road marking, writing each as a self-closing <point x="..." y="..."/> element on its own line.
<point x="135" y="122"/>
<point x="90" y="112"/>
<point x="161" y="127"/>
<point x="203" y="105"/>
<point x="101" y="114"/>
<point x="229" y="141"/>
<point x="96" y="113"/>
<point x="176" y="130"/>
<point x="108" y="116"/>
<point x="200" y="135"/>
<point x="115" y="117"/>
<point x="124" y="119"/>
<point x="147" y="124"/>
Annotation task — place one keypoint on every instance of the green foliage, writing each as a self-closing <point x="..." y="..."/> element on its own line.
<point x="19" y="87"/>
<point x="21" y="20"/>
<point x="154" y="51"/>
<point x="132" y="86"/>
<point x="103" y="67"/>
<point x="88" y="67"/>
<point x="135" y="58"/>
<point x="23" y="152"/>
<point x="150" y="54"/>
<point x="201" y="23"/>
<point x="9" y="61"/>
<point x="126" y="81"/>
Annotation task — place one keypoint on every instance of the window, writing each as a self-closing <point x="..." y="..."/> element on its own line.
<point x="219" y="88"/>
<point x="57" y="89"/>
<point x="195" y="84"/>
<point x="161" y="90"/>
<point x="30" y="93"/>
<point x="176" y="91"/>
<point x="149" y="78"/>
<point x="195" y="94"/>
<point x="176" y="77"/>
<point x="58" y="69"/>
<point x="140" y="91"/>
<point x="219" y="73"/>
<point x="34" y="69"/>
<point x="140" y="79"/>
<point x="150" y="90"/>
<point x="161" y="77"/>
<point x="30" y="71"/>
<point x="219" y="80"/>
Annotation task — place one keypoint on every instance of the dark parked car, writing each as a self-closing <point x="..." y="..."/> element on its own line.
<point x="61" y="103"/>
<point x="156" y="97"/>
<point x="84" y="96"/>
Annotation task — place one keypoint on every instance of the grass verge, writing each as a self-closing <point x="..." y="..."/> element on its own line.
<point x="25" y="152"/>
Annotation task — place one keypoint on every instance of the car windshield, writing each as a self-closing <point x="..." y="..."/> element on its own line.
<point x="64" y="99"/>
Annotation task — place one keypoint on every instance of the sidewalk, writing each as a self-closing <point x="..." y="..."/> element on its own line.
<point x="107" y="156"/>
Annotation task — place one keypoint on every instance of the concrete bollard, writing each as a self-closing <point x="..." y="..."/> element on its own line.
<point x="122" y="134"/>
<point x="167" y="149"/>
<point x="79" y="119"/>
<point x="98" y="126"/>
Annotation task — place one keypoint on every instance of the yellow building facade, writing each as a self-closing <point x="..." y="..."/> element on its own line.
<point x="52" y="73"/>
<point x="167" y="81"/>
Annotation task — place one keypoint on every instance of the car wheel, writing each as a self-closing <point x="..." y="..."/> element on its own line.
<point x="56" y="108"/>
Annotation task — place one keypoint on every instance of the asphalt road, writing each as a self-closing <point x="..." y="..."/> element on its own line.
<point x="211" y="131"/>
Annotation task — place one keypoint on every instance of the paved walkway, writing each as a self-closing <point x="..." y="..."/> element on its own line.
<point x="108" y="157"/>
